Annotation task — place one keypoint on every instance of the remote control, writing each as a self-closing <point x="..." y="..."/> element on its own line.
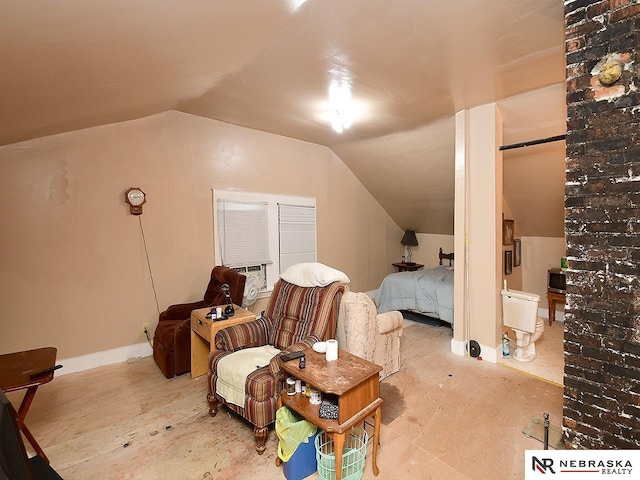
<point x="291" y="356"/>
<point x="46" y="370"/>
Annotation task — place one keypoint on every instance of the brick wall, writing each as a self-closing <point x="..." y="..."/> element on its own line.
<point x="602" y="225"/>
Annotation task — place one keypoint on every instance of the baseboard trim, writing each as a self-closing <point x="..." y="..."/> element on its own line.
<point x="487" y="353"/>
<point x="458" y="347"/>
<point x="106" y="357"/>
<point x="544" y="313"/>
<point x="490" y="354"/>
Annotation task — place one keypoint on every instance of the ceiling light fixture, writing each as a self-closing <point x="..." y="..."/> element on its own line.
<point x="296" y="4"/>
<point x="341" y="104"/>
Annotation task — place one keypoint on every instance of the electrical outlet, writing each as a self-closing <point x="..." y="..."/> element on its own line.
<point x="145" y="330"/>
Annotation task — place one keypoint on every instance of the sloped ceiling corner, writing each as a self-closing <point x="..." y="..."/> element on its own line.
<point x="409" y="66"/>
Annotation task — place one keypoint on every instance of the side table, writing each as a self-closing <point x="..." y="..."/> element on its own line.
<point x="15" y="371"/>
<point x="552" y="298"/>
<point x="203" y="335"/>
<point x="407" y="267"/>
<point x="356" y="383"/>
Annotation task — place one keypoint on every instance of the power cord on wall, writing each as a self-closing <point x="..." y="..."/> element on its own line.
<point x="153" y="285"/>
<point x="146" y="334"/>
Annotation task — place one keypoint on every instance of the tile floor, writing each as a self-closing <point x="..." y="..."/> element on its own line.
<point x="549" y="362"/>
<point x="454" y="418"/>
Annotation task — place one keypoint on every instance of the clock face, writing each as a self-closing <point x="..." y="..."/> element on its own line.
<point x="135" y="197"/>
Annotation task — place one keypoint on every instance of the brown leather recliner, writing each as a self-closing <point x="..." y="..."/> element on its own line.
<point x="172" y="340"/>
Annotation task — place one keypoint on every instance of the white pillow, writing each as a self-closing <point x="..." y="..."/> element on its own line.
<point x="313" y="274"/>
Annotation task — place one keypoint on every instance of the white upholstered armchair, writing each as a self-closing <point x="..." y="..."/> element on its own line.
<point x="363" y="332"/>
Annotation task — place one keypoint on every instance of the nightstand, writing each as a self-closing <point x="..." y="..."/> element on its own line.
<point x="203" y="335"/>
<point x="552" y="298"/>
<point x="407" y="267"/>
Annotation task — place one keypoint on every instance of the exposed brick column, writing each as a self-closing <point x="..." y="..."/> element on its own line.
<point x="602" y="225"/>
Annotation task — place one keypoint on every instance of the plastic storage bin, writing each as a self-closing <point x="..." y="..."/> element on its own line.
<point x="354" y="454"/>
<point x="303" y="461"/>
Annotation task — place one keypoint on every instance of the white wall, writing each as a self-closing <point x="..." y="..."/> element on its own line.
<point x="73" y="263"/>
<point x="426" y="252"/>
<point x="538" y="255"/>
<point x="479" y="201"/>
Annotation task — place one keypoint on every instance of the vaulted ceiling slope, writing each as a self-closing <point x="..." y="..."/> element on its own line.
<point x="268" y="65"/>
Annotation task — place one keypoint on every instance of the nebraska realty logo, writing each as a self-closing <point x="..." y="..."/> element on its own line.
<point x="568" y="464"/>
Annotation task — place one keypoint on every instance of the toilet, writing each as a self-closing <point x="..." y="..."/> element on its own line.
<point x="520" y="313"/>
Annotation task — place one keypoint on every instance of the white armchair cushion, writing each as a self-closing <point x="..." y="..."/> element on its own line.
<point x="356" y="331"/>
<point x="313" y="274"/>
<point x="389" y="321"/>
<point x="363" y="332"/>
<point x="234" y="369"/>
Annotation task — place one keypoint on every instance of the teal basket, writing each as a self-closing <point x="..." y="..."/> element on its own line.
<point x="354" y="454"/>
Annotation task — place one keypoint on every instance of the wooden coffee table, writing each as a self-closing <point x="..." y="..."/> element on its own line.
<point x="356" y="383"/>
<point x="203" y="335"/>
<point x="15" y="371"/>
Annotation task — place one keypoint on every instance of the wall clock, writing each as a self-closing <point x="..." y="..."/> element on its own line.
<point x="135" y="198"/>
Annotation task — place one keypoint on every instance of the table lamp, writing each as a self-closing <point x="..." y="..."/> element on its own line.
<point x="409" y="240"/>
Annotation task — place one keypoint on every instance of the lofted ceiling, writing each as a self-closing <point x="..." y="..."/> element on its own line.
<point x="534" y="176"/>
<point x="268" y="65"/>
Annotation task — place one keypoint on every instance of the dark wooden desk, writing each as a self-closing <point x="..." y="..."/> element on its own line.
<point x="14" y="375"/>
<point x="406" y="267"/>
<point x="552" y="298"/>
<point x="356" y="383"/>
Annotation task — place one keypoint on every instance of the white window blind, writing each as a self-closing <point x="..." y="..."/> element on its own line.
<point x="244" y="233"/>
<point x="236" y="234"/>
<point x="297" y="234"/>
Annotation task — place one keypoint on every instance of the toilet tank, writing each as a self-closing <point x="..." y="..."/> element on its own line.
<point x="520" y="310"/>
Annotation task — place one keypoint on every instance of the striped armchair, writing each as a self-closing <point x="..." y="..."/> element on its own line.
<point x="296" y="317"/>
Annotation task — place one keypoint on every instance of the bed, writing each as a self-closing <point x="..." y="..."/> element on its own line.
<point x="428" y="292"/>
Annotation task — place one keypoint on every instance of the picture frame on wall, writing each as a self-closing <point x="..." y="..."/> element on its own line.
<point x="517" y="252"/>
<point x="507" y="232"/>
<point x="508" y="262"/>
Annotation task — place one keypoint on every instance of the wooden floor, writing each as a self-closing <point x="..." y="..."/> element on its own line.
<point x="452" y="418"/>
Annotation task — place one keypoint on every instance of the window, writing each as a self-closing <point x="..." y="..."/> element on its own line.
<point x="240" y="224"/>
<point x="297" y="228"/>
<point x="263" y="234"/>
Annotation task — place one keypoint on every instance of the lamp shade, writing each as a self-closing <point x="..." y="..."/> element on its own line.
<point x="409" y="238"/>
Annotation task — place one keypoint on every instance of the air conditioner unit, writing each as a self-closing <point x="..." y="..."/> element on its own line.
<point x="256" y="282"/>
